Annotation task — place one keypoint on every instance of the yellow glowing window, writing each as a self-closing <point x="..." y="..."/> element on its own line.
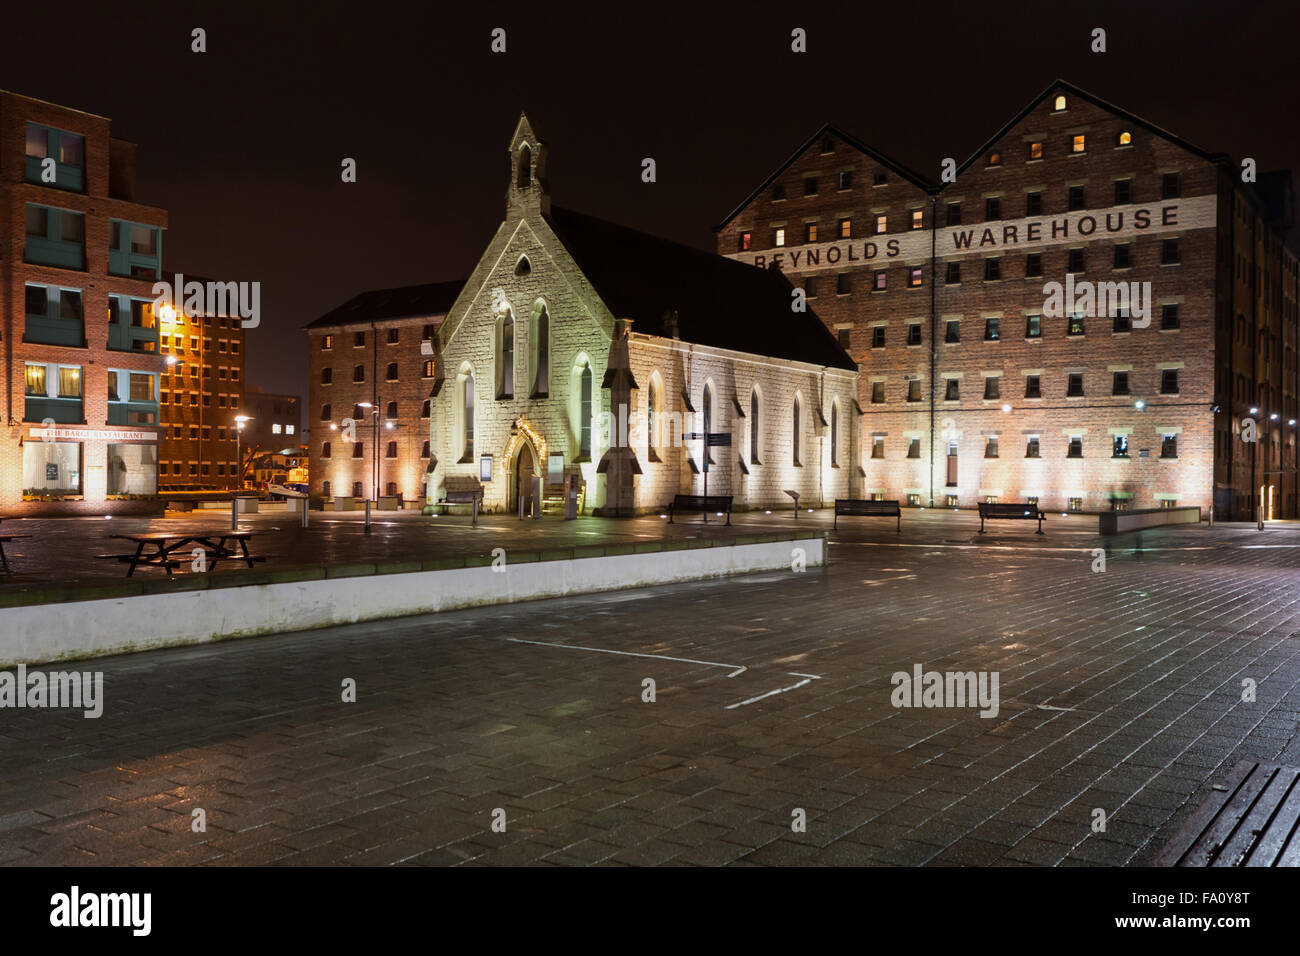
<point x="882" y="223"/>
<point x="812" y="232"/>
<point x="1078" y="143"/>
<point x="1059" y="103"/>
<point x="995" y="159"/>
<point x="918" y="219"/>
<point x="1125" y="138"/>
<point x="1036" y="150"/>
<point x="780" y="237"/>
<point x="69" y="383"/>
<point x="846" y="228"/>
<point x="35" y="377"/>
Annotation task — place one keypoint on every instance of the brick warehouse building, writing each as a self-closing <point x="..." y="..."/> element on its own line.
<point x="368" y="356"/>
<point x="202" y="388"/>
<point x="78" y="260"/>
<point x="973" y="390"/>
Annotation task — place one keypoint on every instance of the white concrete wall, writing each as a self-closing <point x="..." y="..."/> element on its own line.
<point x="50" y="632"/>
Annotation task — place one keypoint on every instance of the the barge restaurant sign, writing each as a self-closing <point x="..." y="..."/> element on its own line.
<point x="87" y="434"/>
<point x="1115" y="223"/>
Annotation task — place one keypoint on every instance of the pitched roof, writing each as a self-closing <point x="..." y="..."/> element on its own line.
<point x="718" y="301"/>
<point x="1061" y="86"/>
<point x="915" y="178"/>
<point x="434" y="298"/>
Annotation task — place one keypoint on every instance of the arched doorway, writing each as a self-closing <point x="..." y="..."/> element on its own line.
<point x="524" y="470"/>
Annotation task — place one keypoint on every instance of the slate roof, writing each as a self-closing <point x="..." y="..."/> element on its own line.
<point x="433" y="298"/>
<point x="719" y="302"/>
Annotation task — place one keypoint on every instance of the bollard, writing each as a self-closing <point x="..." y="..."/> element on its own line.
<point x="234" y="513"/>
<point x="306" y="507"/>
<point x="367" y="516"/>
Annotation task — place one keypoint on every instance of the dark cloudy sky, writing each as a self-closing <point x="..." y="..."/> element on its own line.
<point x="242" y="144"/>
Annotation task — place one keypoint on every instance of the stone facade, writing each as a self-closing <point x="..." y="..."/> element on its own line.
<point x="528" y="281"/>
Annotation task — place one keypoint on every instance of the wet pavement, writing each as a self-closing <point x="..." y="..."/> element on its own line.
<point x="1120" y="690"/>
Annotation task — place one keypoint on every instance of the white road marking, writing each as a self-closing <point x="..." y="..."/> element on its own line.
<point x="739" y="669"/>
<point x="779" y="690"/>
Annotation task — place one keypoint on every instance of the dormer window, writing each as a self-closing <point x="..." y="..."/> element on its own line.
<point x="1058" y="104"/>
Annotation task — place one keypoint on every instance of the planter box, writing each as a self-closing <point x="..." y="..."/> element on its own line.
<point x="1117" y="522"/>
<point x="246" y="506"/>
<point x="390" y="503"/>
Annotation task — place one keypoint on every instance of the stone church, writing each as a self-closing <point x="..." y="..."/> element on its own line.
<point x="582" y="352"/>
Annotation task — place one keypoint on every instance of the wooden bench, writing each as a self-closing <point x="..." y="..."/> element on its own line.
<point x="864" y="508"/>
<point x="1010" y="511"/>
<point x="4" y="560"/>
<point x="470" y="497"/>
<point x="701" y="504"/>
<point x="135" y="560"/>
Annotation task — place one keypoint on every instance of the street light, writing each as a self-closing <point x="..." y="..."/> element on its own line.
<point x="239" y="457"/>
<point x="374" y="474"/>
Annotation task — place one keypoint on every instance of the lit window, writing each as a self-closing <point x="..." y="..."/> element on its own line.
<point x="780" y="237"/>
<point x="882" y="224"/>
<point x="1036" y="150"/>
<point x="846" y="228"/>
<point x="745" y="239"/>
<point x="1058" y="104"/>
<point x="1124" y="139"/>
<point x="810" y="232"/>
<point x="995" y="159"/>
<point x="918" y="218"/>
<point x="1078" y="143"/>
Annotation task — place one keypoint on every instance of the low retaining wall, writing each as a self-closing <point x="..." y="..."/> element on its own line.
<point x="1117" y="522"/>
<point x="66" y="624"/>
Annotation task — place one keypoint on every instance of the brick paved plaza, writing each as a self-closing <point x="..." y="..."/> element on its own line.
<point x="1120" y="690"/>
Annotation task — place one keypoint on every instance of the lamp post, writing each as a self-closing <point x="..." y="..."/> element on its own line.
<point x="374" y="471"/>
<point x="239" y="457"/>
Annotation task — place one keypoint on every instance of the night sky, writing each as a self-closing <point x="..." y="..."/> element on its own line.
<point x="243" y="144"/>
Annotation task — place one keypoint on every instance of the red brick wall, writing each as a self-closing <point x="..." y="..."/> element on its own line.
<point x="1201" y="277"/>
<point x="410" y="431"/>
<point x="98" y="206"/>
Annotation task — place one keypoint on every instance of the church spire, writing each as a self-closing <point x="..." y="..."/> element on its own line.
<point x="527" y="191"/>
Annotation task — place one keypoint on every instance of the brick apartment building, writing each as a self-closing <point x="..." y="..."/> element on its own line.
<point x="78" y="259"/>
<point x="370" y="364"/>
<point x="202" y="389"/>
<point x="275" y="420"/>
<point x="974" y="390"/>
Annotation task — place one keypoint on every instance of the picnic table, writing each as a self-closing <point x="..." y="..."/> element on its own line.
<point x="165" y="545"/>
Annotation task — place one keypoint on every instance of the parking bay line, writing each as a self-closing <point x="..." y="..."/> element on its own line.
<point x="738" y="668"/>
